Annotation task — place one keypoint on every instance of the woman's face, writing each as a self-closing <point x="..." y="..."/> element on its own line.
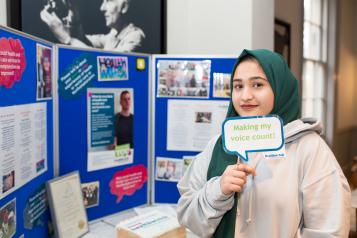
<point x="252" y="94"/>
<point x="113" y="9"/>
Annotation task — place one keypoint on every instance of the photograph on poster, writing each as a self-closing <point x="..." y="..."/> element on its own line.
<point x="8" y="181"/>
<point x="110" y="117"/>
<point x="168" y="169"/>
<point x="203" y="117"/>
<point x="44" y="72"/>
<point x="188" y="127"/>
<point x="116" y="25"/>
<point x="8" y="220"/>
<point x="112" y="68"/>
<point x="221" y="85"/>
<point x="183" y="78"/>
<point x="90" y="192"/>
<point x="187" y="160"/>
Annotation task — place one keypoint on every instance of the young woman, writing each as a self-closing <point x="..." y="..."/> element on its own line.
<point x="303" y="194"/>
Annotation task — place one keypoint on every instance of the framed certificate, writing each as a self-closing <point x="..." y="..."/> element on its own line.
<point x="66" y="204"/>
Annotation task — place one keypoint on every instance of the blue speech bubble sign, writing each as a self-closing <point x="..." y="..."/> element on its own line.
<point x="242" y="135"/>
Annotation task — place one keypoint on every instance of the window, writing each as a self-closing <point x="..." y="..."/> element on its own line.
<point x="314" y="80"/>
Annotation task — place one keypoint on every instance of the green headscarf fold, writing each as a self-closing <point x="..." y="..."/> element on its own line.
<point x="286" y="105"/>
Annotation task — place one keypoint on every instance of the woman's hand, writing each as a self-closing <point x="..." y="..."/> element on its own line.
<point x="61" y="32"/>
<point x="234" y="178"/>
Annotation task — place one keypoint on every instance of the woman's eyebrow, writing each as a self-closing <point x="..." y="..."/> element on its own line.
<point x="251" y="78"/>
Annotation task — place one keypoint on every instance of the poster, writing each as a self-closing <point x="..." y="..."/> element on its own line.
<point x="183" y="78"/>
<point x="168" y="169"/>
<point x="110" y="117"/>
<point x="192" y="123"/>
<point x="112" y="68"/>
<point x="8" y="219"/>
<point x="90" y="194"/>
<point x="23" y="141"/>
<point x="44" y="72"/>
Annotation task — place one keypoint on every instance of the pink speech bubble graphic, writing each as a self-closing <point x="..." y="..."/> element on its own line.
<point x="12" y="61"/>
<point x="129" y="180"/>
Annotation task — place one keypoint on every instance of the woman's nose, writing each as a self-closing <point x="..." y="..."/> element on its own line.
<point x="247" y="94"/>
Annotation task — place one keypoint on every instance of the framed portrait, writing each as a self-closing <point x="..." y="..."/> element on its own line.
<point x="282" y="39"/>
<point x="117" y="25"/>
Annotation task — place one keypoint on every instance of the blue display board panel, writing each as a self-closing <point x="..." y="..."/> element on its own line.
<point x="26" y="73"/>
<point x="82" y="76"/>
<point x="220" y="67"/>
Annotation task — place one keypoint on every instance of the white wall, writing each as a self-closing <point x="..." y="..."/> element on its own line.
<point x="292" y="11"/>
<point x="219" y="27"/>
<point x="3" y="15"/>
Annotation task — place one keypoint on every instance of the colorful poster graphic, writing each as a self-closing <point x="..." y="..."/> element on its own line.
<point x="12" y="61"/>
<point x="183" y="78"/>
<point x="8" y="220"/>
<point x="35" y="209"/>
<point x="44" y="72"/>
<point x="128" y="181"/>
<point x="23" y="141"/>
<point x="77" y="76"/>
<point x="112" y="68"/>
<point x="110" y="116"/>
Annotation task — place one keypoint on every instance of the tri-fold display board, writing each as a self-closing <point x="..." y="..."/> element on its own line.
<point x="26" y="133"/>
<point x="190" y="98"/>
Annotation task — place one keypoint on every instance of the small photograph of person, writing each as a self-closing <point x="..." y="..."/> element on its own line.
<point x="221" y="88"/>
<point x="124" y="120"/>
<point x="168" y="169"/>
<point x="112" y="68"/>
<point x="203" y="117"/>
<point x="182" y="78"/>
<point x="44" y="72"/>
<point x="63" y="20"/>
<point x="8" y="220"/>
<point x="90" y="193"/>
<point x="8" y="181"/>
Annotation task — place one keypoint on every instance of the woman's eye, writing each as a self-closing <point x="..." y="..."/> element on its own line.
<point x="237" y="86"/>
<point x="258" y="85"/>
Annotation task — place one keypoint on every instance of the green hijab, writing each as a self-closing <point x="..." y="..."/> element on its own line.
<point x="286" y="105"/>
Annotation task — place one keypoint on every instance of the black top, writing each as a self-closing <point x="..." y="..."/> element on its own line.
<point x="124" y="129"/>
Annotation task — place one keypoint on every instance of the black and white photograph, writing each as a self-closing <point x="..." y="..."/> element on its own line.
<point x="115" y="25"/>
<point x="184" y="78"/>
<point x="90" y="193"/>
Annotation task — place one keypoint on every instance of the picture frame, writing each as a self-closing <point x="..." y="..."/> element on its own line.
<point x="68" y="213"/>
<point x="282" y="39"/>
<point x="24" y="15"/>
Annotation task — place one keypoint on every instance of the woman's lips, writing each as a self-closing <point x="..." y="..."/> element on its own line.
<point x="248" y="107"/>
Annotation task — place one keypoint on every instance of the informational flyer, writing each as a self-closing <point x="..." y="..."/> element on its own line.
<point x="23" y="142"/>
<point x="110" y="117"/>
<point x="192" y="123"/>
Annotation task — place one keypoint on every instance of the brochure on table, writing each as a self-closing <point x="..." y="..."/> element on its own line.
<point x="26" y="133"/>
<point x="191" y="97"/>
<point x="103" y="119"/>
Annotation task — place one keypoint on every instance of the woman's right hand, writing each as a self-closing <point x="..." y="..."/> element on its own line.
<point x="235" y="177"/>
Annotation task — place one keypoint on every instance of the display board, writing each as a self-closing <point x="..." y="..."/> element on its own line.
<point x="191" y="97"/>
<point x="103" y="121"/>
<point x="26" y="133"/>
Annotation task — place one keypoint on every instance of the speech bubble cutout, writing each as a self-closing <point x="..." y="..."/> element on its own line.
<point x="129" y="180"/>
<point x="242" y="135"/>
<point x="12" y="61"/>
